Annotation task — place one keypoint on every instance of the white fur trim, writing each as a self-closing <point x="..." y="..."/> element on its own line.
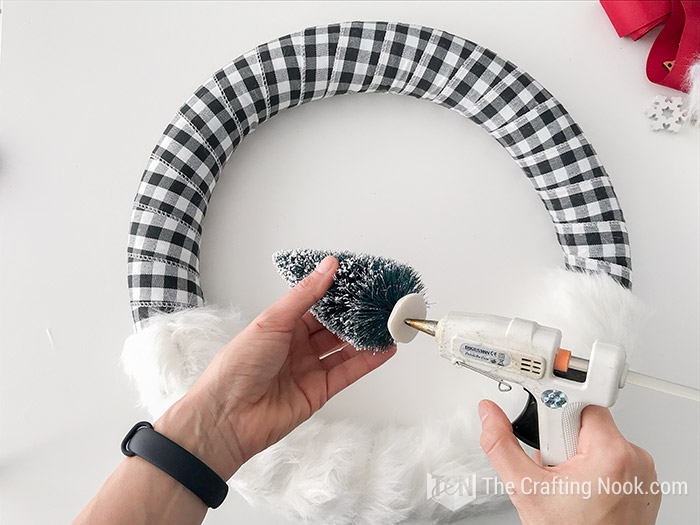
<point x="693" y="83"/>
<point x="167" y="357"/>
<point x="586" y="307"/>
<point x="343" y="472"/>
<point x="347" y="472"/>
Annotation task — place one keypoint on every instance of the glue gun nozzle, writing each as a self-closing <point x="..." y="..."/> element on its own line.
<point x="424" y="325"/>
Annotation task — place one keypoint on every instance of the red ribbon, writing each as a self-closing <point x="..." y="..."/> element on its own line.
<point x="678" y="44"/>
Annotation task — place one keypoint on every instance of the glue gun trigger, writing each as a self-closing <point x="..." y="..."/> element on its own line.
<point x="526" y="425"/>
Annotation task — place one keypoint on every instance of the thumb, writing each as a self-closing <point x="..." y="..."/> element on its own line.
<point x="284" y="314"/>
<point x="502" y="447"/>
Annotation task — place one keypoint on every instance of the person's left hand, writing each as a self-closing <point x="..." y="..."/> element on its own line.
<point x="269" y="379"/>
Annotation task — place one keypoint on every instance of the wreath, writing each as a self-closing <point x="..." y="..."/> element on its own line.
<point x="340" y="471"/>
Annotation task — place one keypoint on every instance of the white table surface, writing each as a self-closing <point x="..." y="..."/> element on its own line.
<point x="86" y="89"/>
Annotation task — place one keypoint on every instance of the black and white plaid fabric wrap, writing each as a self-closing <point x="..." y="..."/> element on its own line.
<point x="355" y="57"/>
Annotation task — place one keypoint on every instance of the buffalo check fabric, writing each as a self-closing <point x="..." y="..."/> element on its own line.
<point x="356" y="57"/>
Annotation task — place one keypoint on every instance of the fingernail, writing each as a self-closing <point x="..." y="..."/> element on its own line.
<point x="483" y="410"/>
<point x="325" y="265"/>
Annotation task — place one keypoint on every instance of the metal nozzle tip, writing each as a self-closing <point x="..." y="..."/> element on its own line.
<point x="424" y="325"/>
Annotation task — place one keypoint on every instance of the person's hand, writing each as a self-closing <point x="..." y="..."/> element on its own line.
<point x="269" y="379"/>
<point x="603" y="453"/>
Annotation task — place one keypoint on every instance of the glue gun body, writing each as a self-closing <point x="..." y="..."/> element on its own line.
<point x="512" y="350"/>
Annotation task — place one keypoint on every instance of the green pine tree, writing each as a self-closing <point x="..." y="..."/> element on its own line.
<point x="357" y="306"/>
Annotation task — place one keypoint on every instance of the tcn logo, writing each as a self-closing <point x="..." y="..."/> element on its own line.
<point x="452" y="486"/>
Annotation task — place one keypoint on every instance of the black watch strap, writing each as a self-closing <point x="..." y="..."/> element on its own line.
<point x="143" y="441"/>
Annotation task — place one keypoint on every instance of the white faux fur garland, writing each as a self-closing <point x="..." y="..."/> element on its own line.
<point x="586" y="307"/>
<point x="346" y="472"/>
<point x="693" y="83"/>
<point x="166" y="358"/>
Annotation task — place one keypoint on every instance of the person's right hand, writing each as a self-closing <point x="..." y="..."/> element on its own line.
<point x="603" y="453"/>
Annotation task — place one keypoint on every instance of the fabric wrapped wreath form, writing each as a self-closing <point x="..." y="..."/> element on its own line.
<point x="339" y="471"/>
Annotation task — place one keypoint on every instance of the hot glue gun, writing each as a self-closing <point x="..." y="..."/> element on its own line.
<point x="512" y="350"/>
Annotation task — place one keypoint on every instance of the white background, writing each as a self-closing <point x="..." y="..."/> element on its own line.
<point x="86" y="90"/>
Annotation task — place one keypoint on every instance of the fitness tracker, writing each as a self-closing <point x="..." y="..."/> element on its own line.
<point x="143" y="441"/>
